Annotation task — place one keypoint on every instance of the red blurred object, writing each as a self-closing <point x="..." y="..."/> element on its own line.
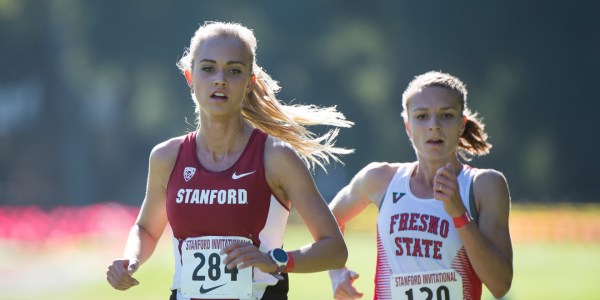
<point x="31" y="224"/>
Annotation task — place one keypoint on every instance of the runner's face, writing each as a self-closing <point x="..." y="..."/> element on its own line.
<point x="221" y="75"/>
<point x="435" y="123"/>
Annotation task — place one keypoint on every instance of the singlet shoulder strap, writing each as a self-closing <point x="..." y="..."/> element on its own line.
<point x="472" y="205"/>
<point x="404" y="171"/>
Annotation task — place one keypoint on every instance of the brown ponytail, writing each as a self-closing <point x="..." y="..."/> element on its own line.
<point x="473" y="141"/>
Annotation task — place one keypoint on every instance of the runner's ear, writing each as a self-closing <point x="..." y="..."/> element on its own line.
<point x="188" y="77"/>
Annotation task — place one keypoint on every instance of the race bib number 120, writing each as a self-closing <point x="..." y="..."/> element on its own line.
<point x="204" y="275"/>
<point x="438" y="285"/>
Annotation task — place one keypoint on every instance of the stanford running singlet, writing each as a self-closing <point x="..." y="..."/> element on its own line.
<point x="208" y="210"/>
<point x="419" y="252"/>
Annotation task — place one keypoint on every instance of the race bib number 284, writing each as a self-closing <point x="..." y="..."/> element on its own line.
<point x="204" y="275"/>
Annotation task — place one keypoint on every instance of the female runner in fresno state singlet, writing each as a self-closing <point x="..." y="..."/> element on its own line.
<point x="417" y="241"/>
<point x="442" y="228"/>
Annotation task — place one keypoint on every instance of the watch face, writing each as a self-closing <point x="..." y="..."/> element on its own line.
<point x="280" y="255"/>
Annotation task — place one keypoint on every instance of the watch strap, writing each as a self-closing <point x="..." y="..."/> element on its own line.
<point x="290" y="264"/>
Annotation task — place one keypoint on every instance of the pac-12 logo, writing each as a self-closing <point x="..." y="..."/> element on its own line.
<point x="188" y="173"/>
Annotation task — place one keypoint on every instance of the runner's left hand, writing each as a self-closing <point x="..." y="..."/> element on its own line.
<point x="245" y="255"/>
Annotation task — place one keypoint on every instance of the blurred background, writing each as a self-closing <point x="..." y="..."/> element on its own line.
<point x="87" y="88"/>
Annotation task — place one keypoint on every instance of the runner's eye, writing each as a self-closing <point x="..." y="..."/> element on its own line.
<point x="235" y="71"/>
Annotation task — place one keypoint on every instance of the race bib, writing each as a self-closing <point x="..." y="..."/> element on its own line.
<point x="438" y="285"/>
<point x="204" y="275"/>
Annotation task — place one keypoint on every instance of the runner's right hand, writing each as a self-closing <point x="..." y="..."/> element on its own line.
<point x="341" y="283"/>
<point x="119" y="274"/>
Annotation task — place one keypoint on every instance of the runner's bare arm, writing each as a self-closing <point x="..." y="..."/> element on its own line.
<point x="488" y="245"/>
<point x="367" y="187"/>
<point x="292" y="183"/>
<point x="151" y="221"/>
<point x="152" y="218"/>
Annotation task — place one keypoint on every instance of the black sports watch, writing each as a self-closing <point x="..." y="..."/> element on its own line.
<point x="280" y="258"/>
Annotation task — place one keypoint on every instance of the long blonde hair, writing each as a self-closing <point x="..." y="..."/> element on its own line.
<point x="473" y="141"/>
<point x="264" y="111"/>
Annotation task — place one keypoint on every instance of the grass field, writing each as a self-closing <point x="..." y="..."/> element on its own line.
<point x="546" y="266"/>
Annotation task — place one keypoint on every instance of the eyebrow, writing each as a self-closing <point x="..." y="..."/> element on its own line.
<point x="426" y="109"/>
<point x="231" y="62"/>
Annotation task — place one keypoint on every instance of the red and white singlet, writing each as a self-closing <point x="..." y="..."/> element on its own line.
<point x="419" y="252"/>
